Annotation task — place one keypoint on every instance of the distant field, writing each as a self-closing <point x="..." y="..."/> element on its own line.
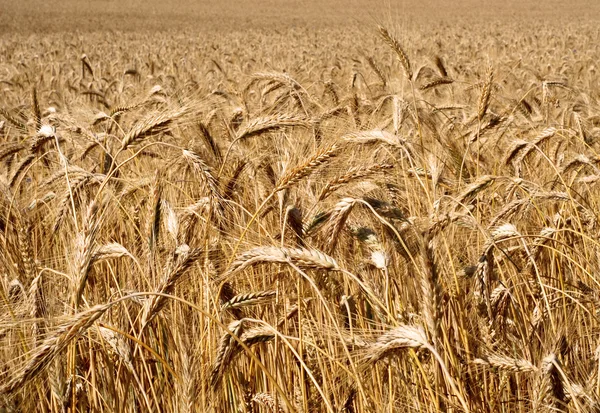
<point x="130" y="15"/>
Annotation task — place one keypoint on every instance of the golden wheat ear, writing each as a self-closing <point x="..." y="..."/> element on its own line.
<point x="400" y="54"/>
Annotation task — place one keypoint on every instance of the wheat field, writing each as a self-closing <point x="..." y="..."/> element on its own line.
<point x="278" y="206"/>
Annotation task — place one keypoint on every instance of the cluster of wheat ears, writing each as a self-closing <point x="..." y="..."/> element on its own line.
<point x="390" y="232"/>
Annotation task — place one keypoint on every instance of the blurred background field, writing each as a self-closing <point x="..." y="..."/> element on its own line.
<point x="35" y="16"/>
